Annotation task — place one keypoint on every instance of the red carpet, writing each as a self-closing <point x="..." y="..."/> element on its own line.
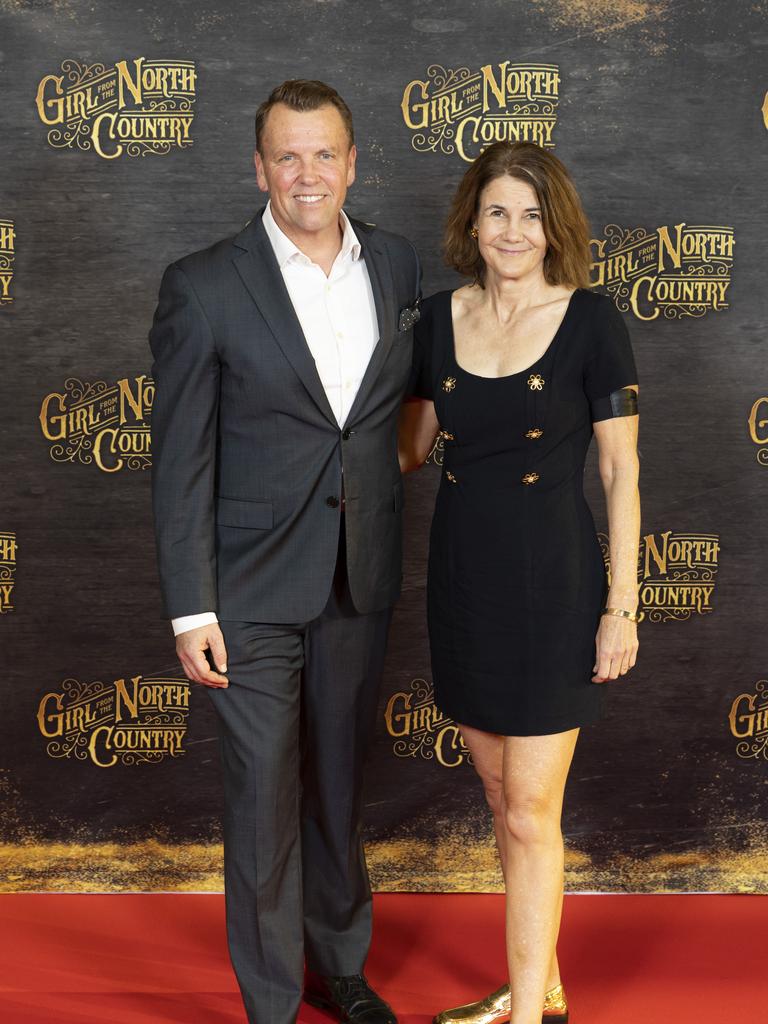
<point x="141" y="959"/>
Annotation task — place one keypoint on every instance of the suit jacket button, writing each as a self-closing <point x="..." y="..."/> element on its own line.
<point x="346" y="434"/>
<point x="332" y="502"/>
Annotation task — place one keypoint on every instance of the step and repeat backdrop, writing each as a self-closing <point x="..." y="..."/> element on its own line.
<point x="126" y="137"/>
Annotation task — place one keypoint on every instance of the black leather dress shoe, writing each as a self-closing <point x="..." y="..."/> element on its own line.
<point x="350" y="998"/>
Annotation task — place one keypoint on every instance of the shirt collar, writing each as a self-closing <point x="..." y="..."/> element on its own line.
<point x="287" y="251"/>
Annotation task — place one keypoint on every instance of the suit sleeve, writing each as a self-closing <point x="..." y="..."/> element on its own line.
<point x="186" y="372"/>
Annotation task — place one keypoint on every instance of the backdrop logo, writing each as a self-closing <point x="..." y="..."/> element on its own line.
<point x="105" y="424"/>
<point x="7" y="254"/>
<point x="676" y="572"/>
<point x="462" y="111"/>
<point x="748" y="719"/>
<point x="141" y="720"/>
<point x="137" y="107"/>
<point x="7" y="571"/>
<point x="420" y="729"/>
<point x="680" y="271"/>
<point x="758" y="429"/>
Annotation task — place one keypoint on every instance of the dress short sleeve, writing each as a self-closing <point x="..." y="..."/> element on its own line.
<point x="420" y="384"/>
<point x="610" y="364"/>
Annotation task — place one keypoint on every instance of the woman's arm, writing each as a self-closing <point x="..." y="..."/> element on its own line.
<point x="619" y="469"/>
<point x="417" y="431"/>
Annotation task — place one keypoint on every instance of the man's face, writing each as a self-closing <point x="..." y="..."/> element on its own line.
<point x="306" y="164"/>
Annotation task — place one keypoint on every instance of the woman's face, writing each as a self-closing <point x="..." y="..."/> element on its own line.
<point x="510" y="233"/>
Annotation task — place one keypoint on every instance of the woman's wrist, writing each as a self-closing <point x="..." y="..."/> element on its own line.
<point x="626" y="599"/>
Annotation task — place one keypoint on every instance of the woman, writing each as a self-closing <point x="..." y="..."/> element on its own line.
<point x="516" y="370"/>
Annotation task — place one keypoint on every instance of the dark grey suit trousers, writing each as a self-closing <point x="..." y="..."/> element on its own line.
<point x="295" y="724"/>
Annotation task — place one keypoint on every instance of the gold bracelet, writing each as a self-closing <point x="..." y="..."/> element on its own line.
<point x="622" y="613"/>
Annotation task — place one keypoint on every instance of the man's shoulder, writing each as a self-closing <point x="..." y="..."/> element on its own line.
<point x="215" y="256"/>
<point x="208" y="260"/>
<point x="398" y="245"/>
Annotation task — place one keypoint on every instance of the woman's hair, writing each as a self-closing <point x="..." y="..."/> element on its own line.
<point x="565" y="224"/>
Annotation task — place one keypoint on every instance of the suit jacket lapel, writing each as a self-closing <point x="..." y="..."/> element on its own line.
<point x="380" y="273"/>
<point x="257" y="266"/>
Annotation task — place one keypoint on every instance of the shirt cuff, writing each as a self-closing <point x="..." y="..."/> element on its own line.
<point x="186" y="622"/>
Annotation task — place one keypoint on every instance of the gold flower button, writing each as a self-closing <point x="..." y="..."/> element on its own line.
<point x="450" y="476"/>
<point x="534" y="433"/>
<point x="530" y="478"/>
<point x="536" y="382"/>
<point x="446" y="436"/>
<point x="449" y="384"/>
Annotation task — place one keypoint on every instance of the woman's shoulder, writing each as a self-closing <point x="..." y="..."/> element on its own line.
<point x="434" y="314"/>
<point x="437" y="302"/>
<point x="596" y="304"/>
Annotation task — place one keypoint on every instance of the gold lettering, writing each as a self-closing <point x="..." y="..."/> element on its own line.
<point x="124" y="79"/>
<point x="398" y="722"/>
<point x="57" y="423"/>
<point x="660" y="558"/>
<point x="56" y="102"/>
<point x="754" y="423"/>
<point x="108" y="118"/>
<point x="449" y="746"/>
<point x="736" y="718"/>
<point x="93" y="749"/>
<point x="420" y="110"/>
<point x="50" y="723"/>
<point x="666" y="244"/>
<point x="98" y="455"/>
<point x="122" y="696"/>
<point x="497" y="88"/>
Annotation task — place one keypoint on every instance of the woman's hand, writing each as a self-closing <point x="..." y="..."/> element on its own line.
<point x="617" y="646"/>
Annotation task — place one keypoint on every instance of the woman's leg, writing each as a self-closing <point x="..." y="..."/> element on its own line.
<point x="524" y="779"/>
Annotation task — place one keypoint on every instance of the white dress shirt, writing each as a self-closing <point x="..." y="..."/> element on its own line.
<point x="337" y="314"/>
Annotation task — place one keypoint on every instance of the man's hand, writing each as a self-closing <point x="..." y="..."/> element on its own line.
<point x="191" y="647"/>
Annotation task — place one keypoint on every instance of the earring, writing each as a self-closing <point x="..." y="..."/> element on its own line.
<point x="473" y="232"/>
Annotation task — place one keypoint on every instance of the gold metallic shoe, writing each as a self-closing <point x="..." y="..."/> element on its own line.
<point x="495" y="1009"/>
<point x="555" y="1006"/>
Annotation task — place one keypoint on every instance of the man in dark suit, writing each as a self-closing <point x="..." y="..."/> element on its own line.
<point x="281" y="358"/>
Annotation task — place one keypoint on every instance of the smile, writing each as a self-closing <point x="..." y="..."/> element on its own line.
<point x="308" y="200"/>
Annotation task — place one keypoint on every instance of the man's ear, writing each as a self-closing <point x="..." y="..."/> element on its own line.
<point x="351" y="159"/>
<point x="261" y="178"/>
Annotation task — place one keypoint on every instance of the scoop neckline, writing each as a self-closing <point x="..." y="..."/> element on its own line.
<point x="517" y="373"/>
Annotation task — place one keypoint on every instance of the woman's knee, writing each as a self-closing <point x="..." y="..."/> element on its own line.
<point x="531" y="818"/>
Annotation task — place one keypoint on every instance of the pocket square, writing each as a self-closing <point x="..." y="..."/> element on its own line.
<point x="409" y="315"/>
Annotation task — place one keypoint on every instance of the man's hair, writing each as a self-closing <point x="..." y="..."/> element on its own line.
<point x="303" y="94"/>
<point x="565" y="224"/>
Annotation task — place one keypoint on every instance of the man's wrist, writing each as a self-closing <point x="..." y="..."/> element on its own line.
<point x="186" y="622"/>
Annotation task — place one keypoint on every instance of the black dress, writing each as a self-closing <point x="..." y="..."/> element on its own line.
<point x="516" y="576"/>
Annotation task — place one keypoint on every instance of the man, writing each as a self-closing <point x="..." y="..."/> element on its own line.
<point x="281" y="358"/>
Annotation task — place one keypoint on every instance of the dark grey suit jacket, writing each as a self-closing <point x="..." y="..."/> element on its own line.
<point x="247" y="454"/>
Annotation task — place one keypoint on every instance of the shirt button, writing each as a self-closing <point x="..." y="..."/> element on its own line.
<point x="332" y="502"/>
<point x="339" y="334"/>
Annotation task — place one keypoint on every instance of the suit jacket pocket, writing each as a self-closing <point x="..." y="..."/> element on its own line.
<point x="248" y="515"/>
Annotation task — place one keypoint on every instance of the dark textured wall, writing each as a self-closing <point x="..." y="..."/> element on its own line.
<point x="658" y="115"/>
